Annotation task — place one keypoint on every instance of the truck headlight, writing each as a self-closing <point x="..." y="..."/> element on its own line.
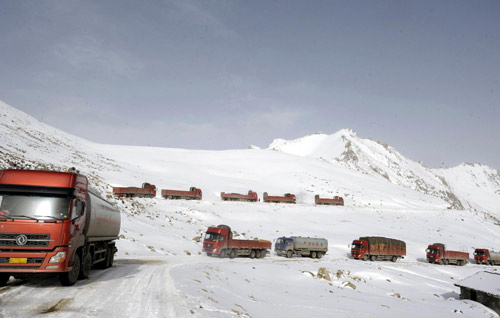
<point x="214" y="250"/>
<point x="58" y="258"/>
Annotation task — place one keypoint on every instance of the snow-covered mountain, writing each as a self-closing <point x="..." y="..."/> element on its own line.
<point x="160" y="271"/>
<point x="477" y="187"/>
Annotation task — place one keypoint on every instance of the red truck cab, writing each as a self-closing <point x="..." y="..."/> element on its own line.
<point x="216" y="239"/>
<point x="359" y="248"/>
<point x="481" y="255"/>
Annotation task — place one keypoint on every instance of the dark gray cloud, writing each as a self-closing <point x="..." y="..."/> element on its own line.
<point x="421" y="76"/>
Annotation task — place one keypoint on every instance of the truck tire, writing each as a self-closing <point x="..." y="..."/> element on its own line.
<point x="70" y="278"/>
<point x="445" y="262"/>
<point x="111" y="251"/>
<point x="365" y="257"/>
<point x="263" y="253"/>
<point x="320" y="254"/>
<point x="373" y="258"/>
<point x="86" y="266"/>
<point x="289" y="254"/>
<point x="313" y="255"/>
<point x="257" y="254"/>
<point x="222" y="254"/>
<point x="233" y="253"/>
<point x="252" y="254"/>
<point x="394" y="258"/>
<point x="4" y="278"/>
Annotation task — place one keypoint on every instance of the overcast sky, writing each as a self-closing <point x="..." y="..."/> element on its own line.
<point x="422" y="76"/>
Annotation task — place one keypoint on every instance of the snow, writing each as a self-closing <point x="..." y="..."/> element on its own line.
<point x="160" y="271"/>
<point x="483" y="281"/>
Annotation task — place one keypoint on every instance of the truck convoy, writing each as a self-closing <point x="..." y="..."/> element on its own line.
<point x="250" y="197"/>
<point x="437" y="253"/>
<point x="286" y="198"/>
<point x="325" y="201"/>
<point x="219" y="241"/>
<point x="303" y="246"/>
<point x="147" y="191"/>
<point x="375" y="247"/>
<point x="485" y="256"/>
<point x="54" y="223"/>
<point x="193" y="194"/>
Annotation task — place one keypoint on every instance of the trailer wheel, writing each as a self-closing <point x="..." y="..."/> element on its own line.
<point x="365" y="257"/>
<point x="4" y="278"/>
<point x="373" y="258"/>
<point x="86" y="266"/>
<point x="70" y="278"/>
<point x="222" y="254"/>
<point x="320" y="255"/>
<point x="233" y="253"/>
<point x="252" y="254"/>
<point x="313" y="255"/>
<point x="257" y="254"/>
<point x="289" y="254"/>
<point x="394" y="258"/>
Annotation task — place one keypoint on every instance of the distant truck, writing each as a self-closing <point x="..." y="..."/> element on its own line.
<point x="147" y="191"/>
<point x="193" y="194"/>
<point x="54" y="223"/>
<point x="376" y="247"/>
<point x="485" y="256"/>
<point x="286" y="198"/>
<point x="326" y="201"/>
<point x="250" y="197"/>
<point x="437" y="253"/>
<point x="219" y="241"/>
<point x="303" y="246"/>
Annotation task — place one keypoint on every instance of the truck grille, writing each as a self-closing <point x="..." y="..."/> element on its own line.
<point x="33" y="240"/>
<point x="31" y="260"/>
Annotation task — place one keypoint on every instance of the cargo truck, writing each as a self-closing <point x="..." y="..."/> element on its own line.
<point x="326" y="201"/>
<point x="299" y="245"/>
<point x="147" y="191"/>
<point x="485" y="256"/>
<point x="286" y="198"/>
<point x="54" y="223"/>
<point x="193" y="194"/>
<point x="437" y="253"/>
<point x="219" y="241"/>
<point x="376" y="247"/>
<point x="250" y="197"/>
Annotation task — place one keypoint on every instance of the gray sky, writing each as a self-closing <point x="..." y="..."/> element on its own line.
<point x="422" y="76"/>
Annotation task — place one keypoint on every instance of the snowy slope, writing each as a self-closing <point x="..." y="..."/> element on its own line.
<point x="160" y="271"/>
<point x="380" y="160"/>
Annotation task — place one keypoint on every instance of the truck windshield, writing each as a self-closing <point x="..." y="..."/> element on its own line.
<point x="356" y="246"/>
<point x="34" y="207"/>
<point x="433" y="251"/>
<point x="479" y="253"/>
<point x="209" y="236"/>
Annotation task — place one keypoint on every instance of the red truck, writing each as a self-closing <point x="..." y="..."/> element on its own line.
<point x="325" y="201"/>
<point x="147" y="191"/>
<point x="251" y="196"/>
<point x="485" y="256"/>
<point x="192" y="194"/>
<point x="54" y="223"/>
<point x="376" y="247"/>
<point x="286" y="198"/>
<point x="219" y="241"/>
<point x="437" y="253"/>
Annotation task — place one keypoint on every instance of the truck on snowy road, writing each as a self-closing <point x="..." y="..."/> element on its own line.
<point x="193" y="194"/>
<point x="376" y="247"/>
<point x="336" y="200"/>
<point x="286" y="198"/>
<point x="485" y="256"/>
<point x="437" y="253"/>
<point x="299" y="245"/>
<point x="250" y="197"/>
<point x="146" y="191"/>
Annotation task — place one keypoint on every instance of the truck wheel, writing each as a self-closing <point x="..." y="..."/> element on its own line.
<point x="320" y="255"/>
<point x="86" y="266"/>
<point x="263" y="253"/>
<point x="233" y="254"/>
<point x="70" y="278"/>
<point x="365" y="257"/>
<point x="257" y="254"/>
<point x="313" y="255"/>
<point x="289" y="254"/>
<point x="373" y="258"/>
<point x="222" y="254"/>
<point x="252" y="254"/>
<point x="111" y="254"/>
<point x="4" y="278"/>
<point x="394" y="258"/>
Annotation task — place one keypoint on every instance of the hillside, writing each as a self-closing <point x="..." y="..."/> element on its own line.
<point x="160" y="271"/>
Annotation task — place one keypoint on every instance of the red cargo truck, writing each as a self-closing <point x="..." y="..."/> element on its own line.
<point x="325" y="201"/>
<point x="54" y="223"/>
<point x="485" y="256"/>
<point x="147" y="191"/>
<point x="250" y="197"/>
<point x="193" y="194"/>
<point x="376" y="247"/>
<point x="437" y="253"/>
<point x="286" y="198"/>
<point x="219" y="241"/>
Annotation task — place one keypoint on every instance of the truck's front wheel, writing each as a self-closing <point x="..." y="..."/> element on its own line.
<point x="70" y="278"/>
<point x="289" y="254"/>
<point x="4" y="278"/>
<point x="222" y="254"/>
